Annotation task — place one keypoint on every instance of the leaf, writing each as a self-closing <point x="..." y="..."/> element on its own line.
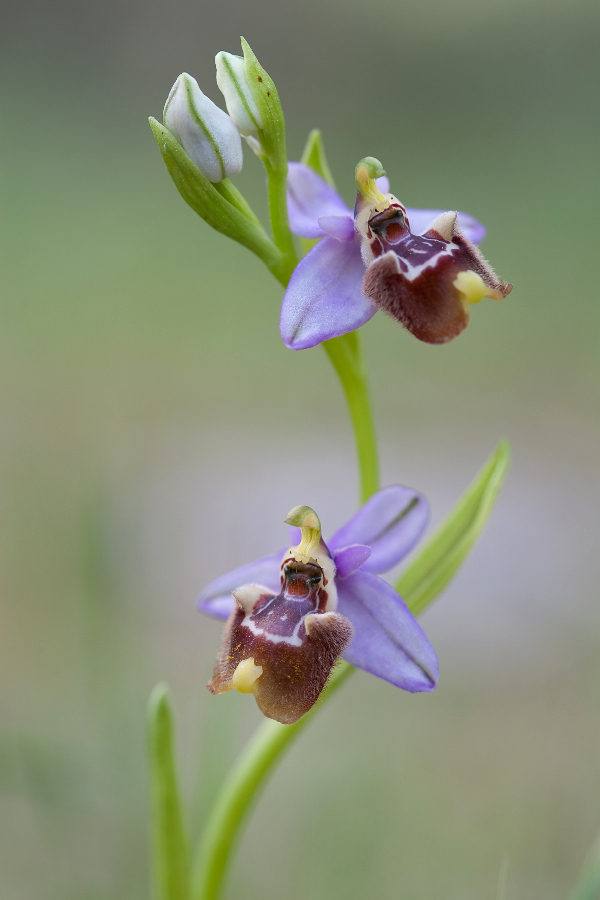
<point x="171" y="859"/>
<point x="444" y="553"/>
<point x="314" y="156"/>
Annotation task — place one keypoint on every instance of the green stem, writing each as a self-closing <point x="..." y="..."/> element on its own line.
<point x="280" y="226"/>
<point x="241" y="790"/>
<point x="345" y="353"/>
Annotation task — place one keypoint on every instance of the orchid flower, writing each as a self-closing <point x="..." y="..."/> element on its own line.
<point x="293" y="614"/>
<point x="421" y="266"/>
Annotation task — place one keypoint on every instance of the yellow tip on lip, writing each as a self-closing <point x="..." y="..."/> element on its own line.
<point x="245" y="676"/>
<point x="473" y="288"/>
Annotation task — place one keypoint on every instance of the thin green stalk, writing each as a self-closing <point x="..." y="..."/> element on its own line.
<point x="241" y="791"/>
<point x="280" y="226"/>
<point x="345" y="353"/>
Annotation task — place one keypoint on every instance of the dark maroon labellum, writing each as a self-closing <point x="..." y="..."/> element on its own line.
<point x="412" y="277"/>
<point x="291" y="636"/>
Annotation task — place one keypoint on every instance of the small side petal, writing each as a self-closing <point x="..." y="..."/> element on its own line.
<point x="383" y="184"/>
<point x="421" y="219"/>
<point x="309" y="197"/>
<point x="349" y="559"/>
<point x="339" y="227"/>
<point x="216" y="599"/>
<point x="391" y="523"/>
<point x="324" y="298"/>
<point x="388" y="641"/>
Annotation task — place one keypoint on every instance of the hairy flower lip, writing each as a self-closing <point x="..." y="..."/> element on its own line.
<point x="387" y="641"/>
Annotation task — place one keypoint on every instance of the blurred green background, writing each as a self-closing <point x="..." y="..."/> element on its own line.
<point x="149" y="409"/>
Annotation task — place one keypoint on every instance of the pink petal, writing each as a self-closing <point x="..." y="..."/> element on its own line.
<point x="390" y="523"/>
<point x="339" y="227"/>
<point x="324" y="298"/>
<point x="349" y="559"/>
<point x="309" y="198"/>
<point x="388" y="641"/>
<point x="216" y="599"/>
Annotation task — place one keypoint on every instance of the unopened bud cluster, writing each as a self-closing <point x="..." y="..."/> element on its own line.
<point x="210" y="136"/>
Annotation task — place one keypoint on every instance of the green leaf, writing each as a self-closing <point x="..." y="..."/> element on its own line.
<point x="229" y="192"/>
<point x="442" y="556"/>
<point x="171" y="858"/>
<point x="222" y="209"/>
<point x="588" y="886"/>
<point x="314" y="156"/>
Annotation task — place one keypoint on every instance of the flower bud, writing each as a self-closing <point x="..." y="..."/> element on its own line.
<point x="206" y="133"/>
<point x="253" y="104"/>
<point x="233" y="84"/>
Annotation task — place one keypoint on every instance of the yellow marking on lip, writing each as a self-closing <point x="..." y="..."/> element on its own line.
<point x="246" y="676"/>
<point x="473" y="287"/>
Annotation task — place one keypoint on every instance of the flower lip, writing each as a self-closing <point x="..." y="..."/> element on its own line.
<point x="282" y="647"/>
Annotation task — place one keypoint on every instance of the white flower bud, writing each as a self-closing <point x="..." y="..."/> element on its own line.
<point x="206" y="133"/>
<point x="233" y="84"/>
